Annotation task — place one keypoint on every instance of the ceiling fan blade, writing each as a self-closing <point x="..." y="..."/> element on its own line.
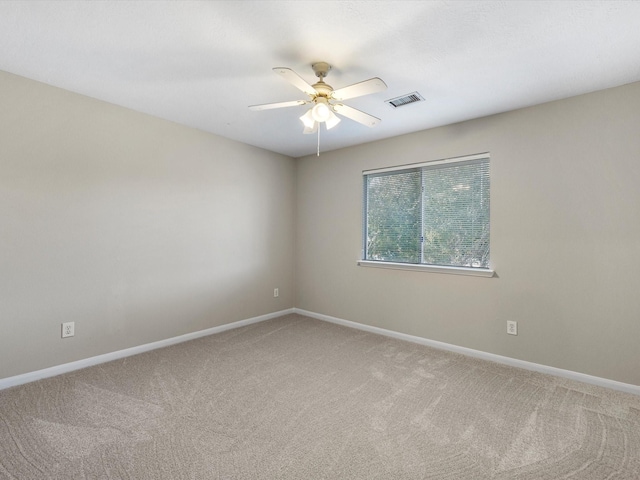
<point x="373" y="85"/>
<point x="296" y="80"/>
<point x="268" y="106"/>
<point x="356" y="115"/>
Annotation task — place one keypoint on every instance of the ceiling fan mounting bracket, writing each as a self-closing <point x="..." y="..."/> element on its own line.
<point x="321" y="69"/>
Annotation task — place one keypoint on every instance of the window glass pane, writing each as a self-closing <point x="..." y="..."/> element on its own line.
<point x="393" y="217"/>
<point x="434" y="214"/>
<point x="456" y="215"/>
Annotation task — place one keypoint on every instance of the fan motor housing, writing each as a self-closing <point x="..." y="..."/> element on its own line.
<point x="323" y="89"/>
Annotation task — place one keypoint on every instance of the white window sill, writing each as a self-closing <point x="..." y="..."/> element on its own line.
<point x="475" y="272"/>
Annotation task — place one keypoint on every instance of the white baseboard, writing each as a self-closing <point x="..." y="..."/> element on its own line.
<point x="558" y="372"/>
<point x="107" y="357"/>
<point x="127" y="352"/>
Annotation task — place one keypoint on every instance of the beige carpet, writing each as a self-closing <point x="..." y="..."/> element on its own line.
<point x="297" y="398"/>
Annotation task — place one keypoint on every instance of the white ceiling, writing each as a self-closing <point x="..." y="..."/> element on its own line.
<point x="201" y="63"/>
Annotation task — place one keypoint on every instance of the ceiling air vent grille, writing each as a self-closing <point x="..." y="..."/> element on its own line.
<point x="405" y="100"/>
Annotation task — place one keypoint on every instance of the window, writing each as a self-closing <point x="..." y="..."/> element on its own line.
<point x="431" y="214"/>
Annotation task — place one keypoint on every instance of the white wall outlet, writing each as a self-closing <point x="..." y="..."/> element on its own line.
<point x="68" y="329"/>
<point x="512" y="327"/>
<point x="276" y="292"/>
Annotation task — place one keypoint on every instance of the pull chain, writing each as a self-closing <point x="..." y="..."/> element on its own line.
<point x="319" y="128"/>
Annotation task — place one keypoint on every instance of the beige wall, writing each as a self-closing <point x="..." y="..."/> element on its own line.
<point x="139" y="230"/>
<point x="565" y="238"/>
<point x="135" y="228"/>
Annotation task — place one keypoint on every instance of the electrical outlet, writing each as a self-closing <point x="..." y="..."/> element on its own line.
<point x="276" y="292"/>
<point x="512" y="327"/>
<point x="68" y="329"/>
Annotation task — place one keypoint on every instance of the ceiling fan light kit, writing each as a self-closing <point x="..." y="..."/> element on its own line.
<point x="325" y="99"/>
<point x="320" y="112"/>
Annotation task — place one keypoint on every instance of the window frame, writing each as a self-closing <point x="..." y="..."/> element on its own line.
<point x="433" y="268"/>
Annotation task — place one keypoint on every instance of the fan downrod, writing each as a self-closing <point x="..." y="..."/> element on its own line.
<point x="323" y="89"/>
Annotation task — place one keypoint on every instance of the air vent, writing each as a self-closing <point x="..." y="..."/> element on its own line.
<point x="405" y="100"/>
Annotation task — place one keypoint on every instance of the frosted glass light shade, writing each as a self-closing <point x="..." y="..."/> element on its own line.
<point x="332" y="121"/>
<point x="321" y="112"/>
<point x="308" y="120"/>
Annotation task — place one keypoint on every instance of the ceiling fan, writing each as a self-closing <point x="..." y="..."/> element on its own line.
<point x="326" y="101"/>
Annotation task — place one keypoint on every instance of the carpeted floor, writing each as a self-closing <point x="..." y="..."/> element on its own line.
<point x="297" y="398"/>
